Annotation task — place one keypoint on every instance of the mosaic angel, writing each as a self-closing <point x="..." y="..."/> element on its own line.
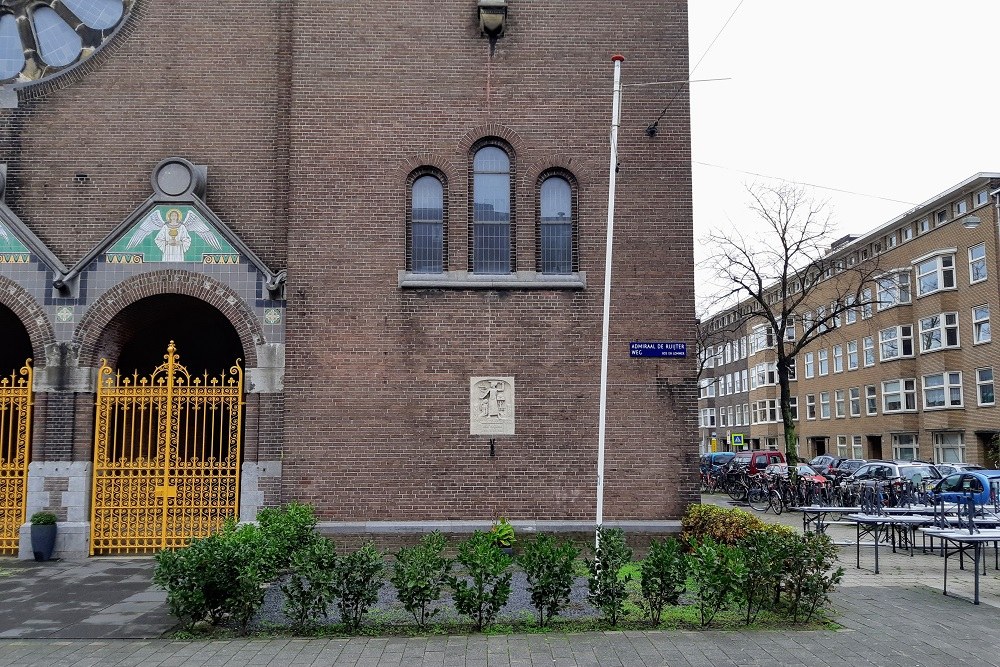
<point x="173" y="235"/>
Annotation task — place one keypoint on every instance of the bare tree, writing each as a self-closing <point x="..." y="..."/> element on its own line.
<point x="775" y="273"/>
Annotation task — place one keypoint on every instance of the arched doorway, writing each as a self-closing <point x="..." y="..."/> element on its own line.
<point x="15" y="427"/>
<point x="168" y="426"/>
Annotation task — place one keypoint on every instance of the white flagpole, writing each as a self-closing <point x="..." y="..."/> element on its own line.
<point x="615" y="113"/>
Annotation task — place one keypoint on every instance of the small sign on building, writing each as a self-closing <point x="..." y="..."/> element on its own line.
<point x="658" y="349"/>
<point x="736" y="439"/>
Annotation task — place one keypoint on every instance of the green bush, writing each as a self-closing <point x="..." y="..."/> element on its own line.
<point x="220" y="576"/>
<point x="287" y="529"/>
<point x="809" y="574"/>
<point x="310" y="587"/>
<point x="662" y="577"/>
<point x="359" y="578"/>
<point x="764" y="553"/>
<point x="420" y="574"/>
<point x="718" y="572"/>
<point x="548" y="566"/>
<point x="725" y="525"/>
<point x="486" y="590"/>
<point x="607" y="586"/>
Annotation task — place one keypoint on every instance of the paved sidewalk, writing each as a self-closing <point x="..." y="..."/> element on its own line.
<point x="883" y="626"/>
<point x="105" y="612"/>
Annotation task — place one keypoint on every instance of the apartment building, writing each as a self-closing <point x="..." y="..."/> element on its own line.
<point x="906" y="367"/>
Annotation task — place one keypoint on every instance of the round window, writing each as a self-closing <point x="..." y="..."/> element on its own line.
<point x="40" y="39"/>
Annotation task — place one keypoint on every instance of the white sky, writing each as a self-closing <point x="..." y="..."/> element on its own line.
<point x="892" y="98"/>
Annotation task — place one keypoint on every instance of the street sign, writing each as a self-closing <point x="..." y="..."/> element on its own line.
<point x="671" y="349"/>
<point x="736" y="439"/>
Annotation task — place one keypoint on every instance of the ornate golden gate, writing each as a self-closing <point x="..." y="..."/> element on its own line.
<point x="166" y="457"/>
<point x="15" y="440"/>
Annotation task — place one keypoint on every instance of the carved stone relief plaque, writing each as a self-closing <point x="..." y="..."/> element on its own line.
<point x="491" y="406"/>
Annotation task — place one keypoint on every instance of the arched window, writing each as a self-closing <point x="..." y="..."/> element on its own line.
<point x="555" y="225"/>
<point x="491" y="211"/>
<point x="426" y="228"/>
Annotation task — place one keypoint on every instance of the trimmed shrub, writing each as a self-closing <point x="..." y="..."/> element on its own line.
<point x="607" y="586"/>
<point x="718" y="572"/>
<point x="220" y="576"/>
<point x="420" y="574"/>
<point x="723" y="525"/>
<point x="662" y="577"/>
<point x="548" y="566"/>
<point x="359" y="578"/>
<point x="310" y="587"/>
<point x="809" y="574"/>
<point x="764" y="553"/>
<point x="287" y="529"/>
<point x="486" y="590"/>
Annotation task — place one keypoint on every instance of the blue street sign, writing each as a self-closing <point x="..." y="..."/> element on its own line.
<point x="657" y="349"/>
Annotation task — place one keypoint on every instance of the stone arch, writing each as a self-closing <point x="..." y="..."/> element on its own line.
<point x="173" y="281"/>
<point x="32" y="316"/>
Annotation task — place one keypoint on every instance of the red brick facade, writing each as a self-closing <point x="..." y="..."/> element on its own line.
<point x="311" y="117"/>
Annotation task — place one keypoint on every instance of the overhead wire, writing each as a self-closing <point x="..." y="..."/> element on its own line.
<point x="811" y="185"/>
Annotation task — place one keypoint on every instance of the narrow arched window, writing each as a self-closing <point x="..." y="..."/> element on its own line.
<point x="555" y="228"/>
<point x="491" y="211"/>
<point x="426" y="225"/>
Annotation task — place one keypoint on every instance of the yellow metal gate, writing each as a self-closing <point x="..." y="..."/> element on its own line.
<point x="166" y="457"/>
<point x="15" y="439"/>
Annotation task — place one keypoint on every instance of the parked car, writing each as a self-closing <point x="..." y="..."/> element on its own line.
<point x="916" y="472"/>
<point x="847" y="466"/>
<point x="824" y="463"/>
<point x="715" y="460"/>
<point x="804" y="470"/>
<point x="981" y="485"/>
<point x="951" y="468"/>
<point x="758" y="459"/>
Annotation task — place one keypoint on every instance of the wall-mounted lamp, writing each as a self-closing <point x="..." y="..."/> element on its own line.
<point x="492" y="17"/>
<point x="971" y="221"/>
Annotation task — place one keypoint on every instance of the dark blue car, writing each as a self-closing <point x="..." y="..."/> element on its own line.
<point x="982" y="485"/>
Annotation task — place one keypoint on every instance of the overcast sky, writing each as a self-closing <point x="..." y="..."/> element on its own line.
<point x="889" y="98"/>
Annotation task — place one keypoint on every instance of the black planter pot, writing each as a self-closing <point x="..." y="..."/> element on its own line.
<point x="43" y="541"/>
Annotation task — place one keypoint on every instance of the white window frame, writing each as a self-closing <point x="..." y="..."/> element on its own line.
<point x="852" y="355"/>
<point x="905" y="391"/>
<point x="981" y="198"/>
<point x="950" y="389"/>
<point x="871" y="400"/>
<point x="857" y="448"/>
<point x="983" y="382"/>
<point x="924" y="225"/>
<point x="838" y="358"/>
<point x="893" y="289"/>
<point x="939" y="332"/>
<point x="866" y="304"/>
<point x="905" y="442"/>
<point x="981" y="330"/>
<point x="793" y="408"/>
<point x="949" y="440"/>
<point x="906" y="233"/>
<point x="823" y="362"/>
<point x="854" y="401"/>
<point x="850" y="312"/>
<point x="869" y="351"/>
<point x="961" y="207"/>
<point x="810" y="364"/>
<point x="810" y="407"/>
<point x="842" y="446"/>
<point x="900" y="336"/>
<point x="977" y="264"/>
<point x="941" y="218"/>
<point x="939" y="266"/>
<point x="824" y="405"/>
<point x="839" y="403"/>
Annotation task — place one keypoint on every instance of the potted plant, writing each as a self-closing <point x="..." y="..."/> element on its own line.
<point x="503" y="536"/>
<point x="43" y="535"/>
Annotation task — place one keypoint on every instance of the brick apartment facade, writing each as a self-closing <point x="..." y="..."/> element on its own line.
<point x="910" y="375"/>
<point x="302" y="140"/>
